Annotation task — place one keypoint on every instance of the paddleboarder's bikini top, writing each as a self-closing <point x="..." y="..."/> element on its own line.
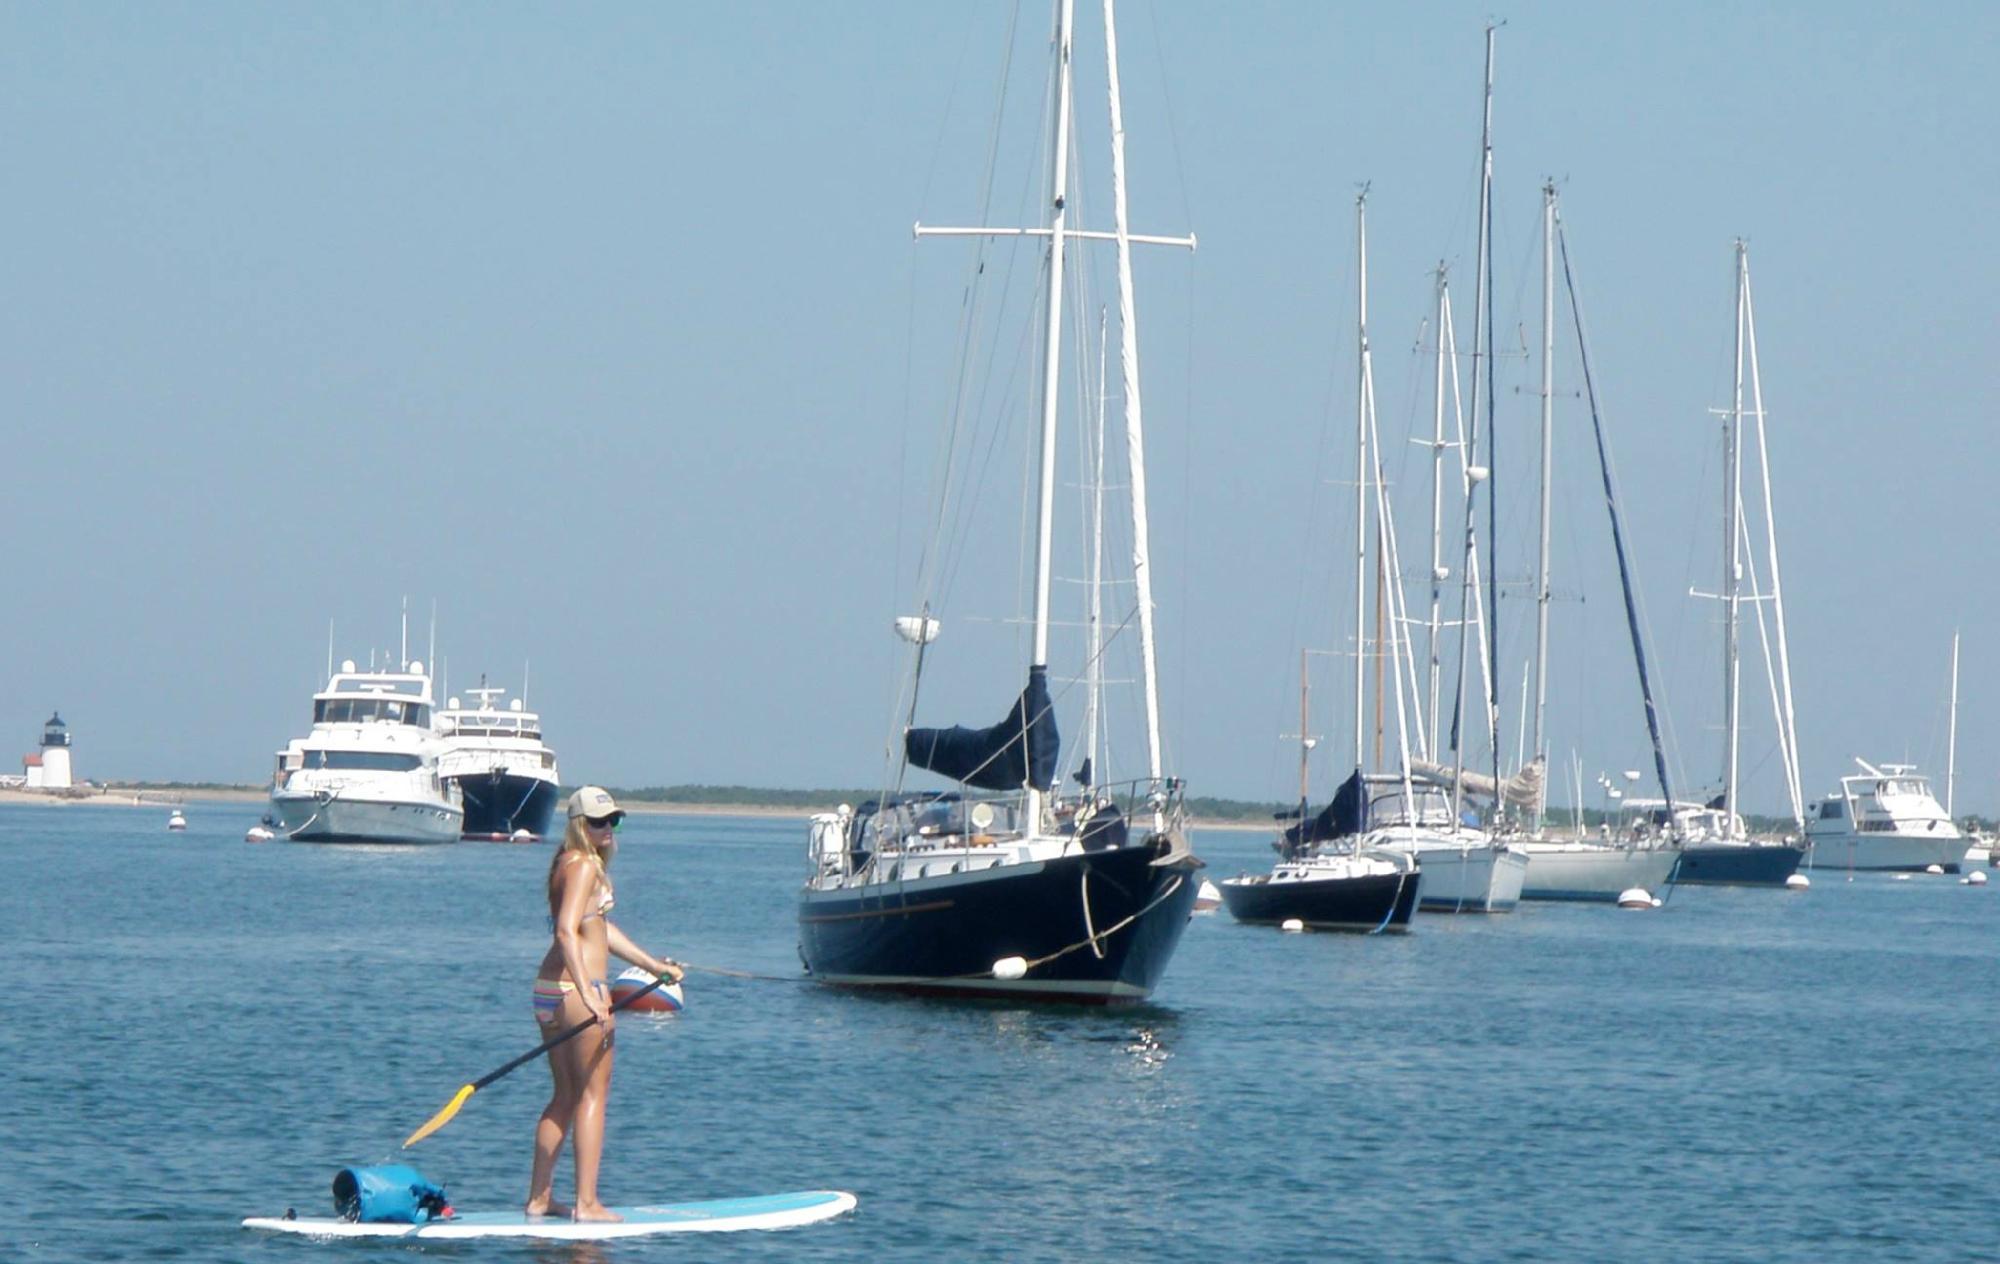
<point x="604" y="901"/>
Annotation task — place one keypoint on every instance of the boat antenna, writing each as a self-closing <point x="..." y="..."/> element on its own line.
<point x="524" y="684"/>
<point x="329" y="651"/>
<point x="431" y="655"/>
<point x="403" y="659"/>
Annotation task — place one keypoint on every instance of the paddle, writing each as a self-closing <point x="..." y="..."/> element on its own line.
<point x="458" y="1099"/>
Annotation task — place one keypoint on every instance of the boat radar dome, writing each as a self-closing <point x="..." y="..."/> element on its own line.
<point x="515" y="705"/>
<point x="347" y="665"/>
<point x="414" y="667"/>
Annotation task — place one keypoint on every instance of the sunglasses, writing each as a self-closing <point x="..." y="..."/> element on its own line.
<point x="603" y="822"/>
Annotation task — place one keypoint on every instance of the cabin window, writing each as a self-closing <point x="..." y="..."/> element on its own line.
<point x="1832" y="810"/>
<point x="373" y="761"/>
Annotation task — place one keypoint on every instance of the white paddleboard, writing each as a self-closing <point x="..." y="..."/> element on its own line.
<point x="718" y="1215"/>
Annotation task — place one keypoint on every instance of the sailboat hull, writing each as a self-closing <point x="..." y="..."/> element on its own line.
<point x="1592" y="872"/>
<point x="1096" y="928"/>
<point x="1485" y="878"/>
<point x="1739" y="864"/>
<point x="1366" y="902"/>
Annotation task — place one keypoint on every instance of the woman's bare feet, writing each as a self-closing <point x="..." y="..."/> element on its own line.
<point x="549" y="1207"/>
<point x="596" y="1211"/>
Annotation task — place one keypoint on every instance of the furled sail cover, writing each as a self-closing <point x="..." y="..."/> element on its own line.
<point x="1345" y="814"/>
<point x="1018" y="752"/>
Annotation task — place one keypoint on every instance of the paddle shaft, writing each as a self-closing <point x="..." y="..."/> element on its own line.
<point x="536" y="1052"/>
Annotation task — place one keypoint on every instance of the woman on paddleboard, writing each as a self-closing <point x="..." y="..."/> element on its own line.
<point x="571" y="988"/>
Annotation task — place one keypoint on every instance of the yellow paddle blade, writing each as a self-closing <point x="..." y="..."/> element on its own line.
<point x="443" y="1117"/>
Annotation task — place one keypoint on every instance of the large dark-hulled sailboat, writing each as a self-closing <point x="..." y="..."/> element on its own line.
<point x="1007" y="885"/>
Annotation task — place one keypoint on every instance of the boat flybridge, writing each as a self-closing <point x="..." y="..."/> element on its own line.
<point x="367" y="772"/>
<point x="505" y="773"/>
<point x="1884" y="818"/>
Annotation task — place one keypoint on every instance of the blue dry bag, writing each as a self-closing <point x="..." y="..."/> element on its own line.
<point x="393" y="1193"/>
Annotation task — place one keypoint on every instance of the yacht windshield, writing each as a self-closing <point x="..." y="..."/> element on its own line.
<point x="373" y="761"/>
<point x="361" y="710"/>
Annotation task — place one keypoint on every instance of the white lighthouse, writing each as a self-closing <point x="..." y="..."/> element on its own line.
<point x="48" y="768"/>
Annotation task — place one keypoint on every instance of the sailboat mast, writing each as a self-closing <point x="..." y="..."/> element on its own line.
<point x="1732" y="509"/>
<point x="1787" y="714"/>
<point x="1045" y="489"/>
<point x="1135" y="446"/>
<point x="1361" y="483"/>
<point x="1485" y="320"/>
<point x="1625" y="578"/>
<point x="1540" y="749"/>
<point x="1951" y="741"/>
<point x="1305" y="743"/>
<point x="1093" y="669"/>
<point x="1437" y="509"/>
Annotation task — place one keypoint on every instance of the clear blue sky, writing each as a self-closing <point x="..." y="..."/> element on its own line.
<point x="603" y="329"/>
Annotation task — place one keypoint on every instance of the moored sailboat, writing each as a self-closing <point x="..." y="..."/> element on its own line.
<point x="1001" y="887"/>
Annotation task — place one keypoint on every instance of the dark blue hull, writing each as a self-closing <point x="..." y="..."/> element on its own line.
<point x="1106" y="921"/>
<point x="498" y="804"/>
<point x="1370" y="902"/>
<point x="1725" y="864"/>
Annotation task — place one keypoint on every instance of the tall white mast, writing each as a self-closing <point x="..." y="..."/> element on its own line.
<point x="1483" y="323"/>
<point x="1951" y="742"/>
<point x="1732" y="491"/>
<point x="1361" y="479"/>
<point x="1540" y="750"/>
<point x="1788" y="736"/>
<point x="1045" y="489"/>
<point x="1093" y="672"/>
<point x="1438" y="572"/>
<point x="1135" y="445"/>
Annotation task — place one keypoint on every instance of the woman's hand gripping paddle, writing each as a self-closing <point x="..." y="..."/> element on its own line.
<point x="458" y="1099"/>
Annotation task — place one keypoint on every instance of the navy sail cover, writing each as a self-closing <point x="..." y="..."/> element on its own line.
<point x="1346" y="814"/>
<point x="1018" y="752"/>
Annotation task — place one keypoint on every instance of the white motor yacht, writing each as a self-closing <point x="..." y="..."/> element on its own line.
<point x="367" y="772"/>
<point x="1884" y="818"/>
<point x="505" y="774"/>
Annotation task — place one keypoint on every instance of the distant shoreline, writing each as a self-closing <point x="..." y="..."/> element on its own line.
<point x="162" y="796"/>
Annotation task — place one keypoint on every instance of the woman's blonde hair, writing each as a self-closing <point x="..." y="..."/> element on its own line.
<point x="576" y="838"/>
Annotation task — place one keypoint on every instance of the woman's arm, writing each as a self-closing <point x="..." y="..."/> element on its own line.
<point x="624" y="949"/>
<point x="579" y="882"/>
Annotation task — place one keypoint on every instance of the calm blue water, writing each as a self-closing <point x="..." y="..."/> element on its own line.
<point x="197" y="1029"/>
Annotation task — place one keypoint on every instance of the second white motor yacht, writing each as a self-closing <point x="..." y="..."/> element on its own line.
<point x="1884" y="818"/>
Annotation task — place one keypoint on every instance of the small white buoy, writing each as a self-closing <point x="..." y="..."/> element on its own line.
<point x="175" y="821"/>
<point x="1636" y="898"/>
<point x="1975" y="879"/>
<point x="1010" y="968"/>
<point x="1797" y="882"/>
<point x="1903" y="877"/>
<point x="520" y="836"/>
<point x="258" y="834"/>
<point x="1291" y="926"/>
<point x="1933" y="868"/>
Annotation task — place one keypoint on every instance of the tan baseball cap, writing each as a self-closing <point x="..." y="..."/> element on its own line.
<point x="596" y="803"/>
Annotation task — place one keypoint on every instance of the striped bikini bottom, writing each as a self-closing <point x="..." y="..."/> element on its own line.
<point x="549" y="995"/>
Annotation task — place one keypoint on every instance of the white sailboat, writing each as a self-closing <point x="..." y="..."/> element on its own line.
<point x="1572" y="868"/>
